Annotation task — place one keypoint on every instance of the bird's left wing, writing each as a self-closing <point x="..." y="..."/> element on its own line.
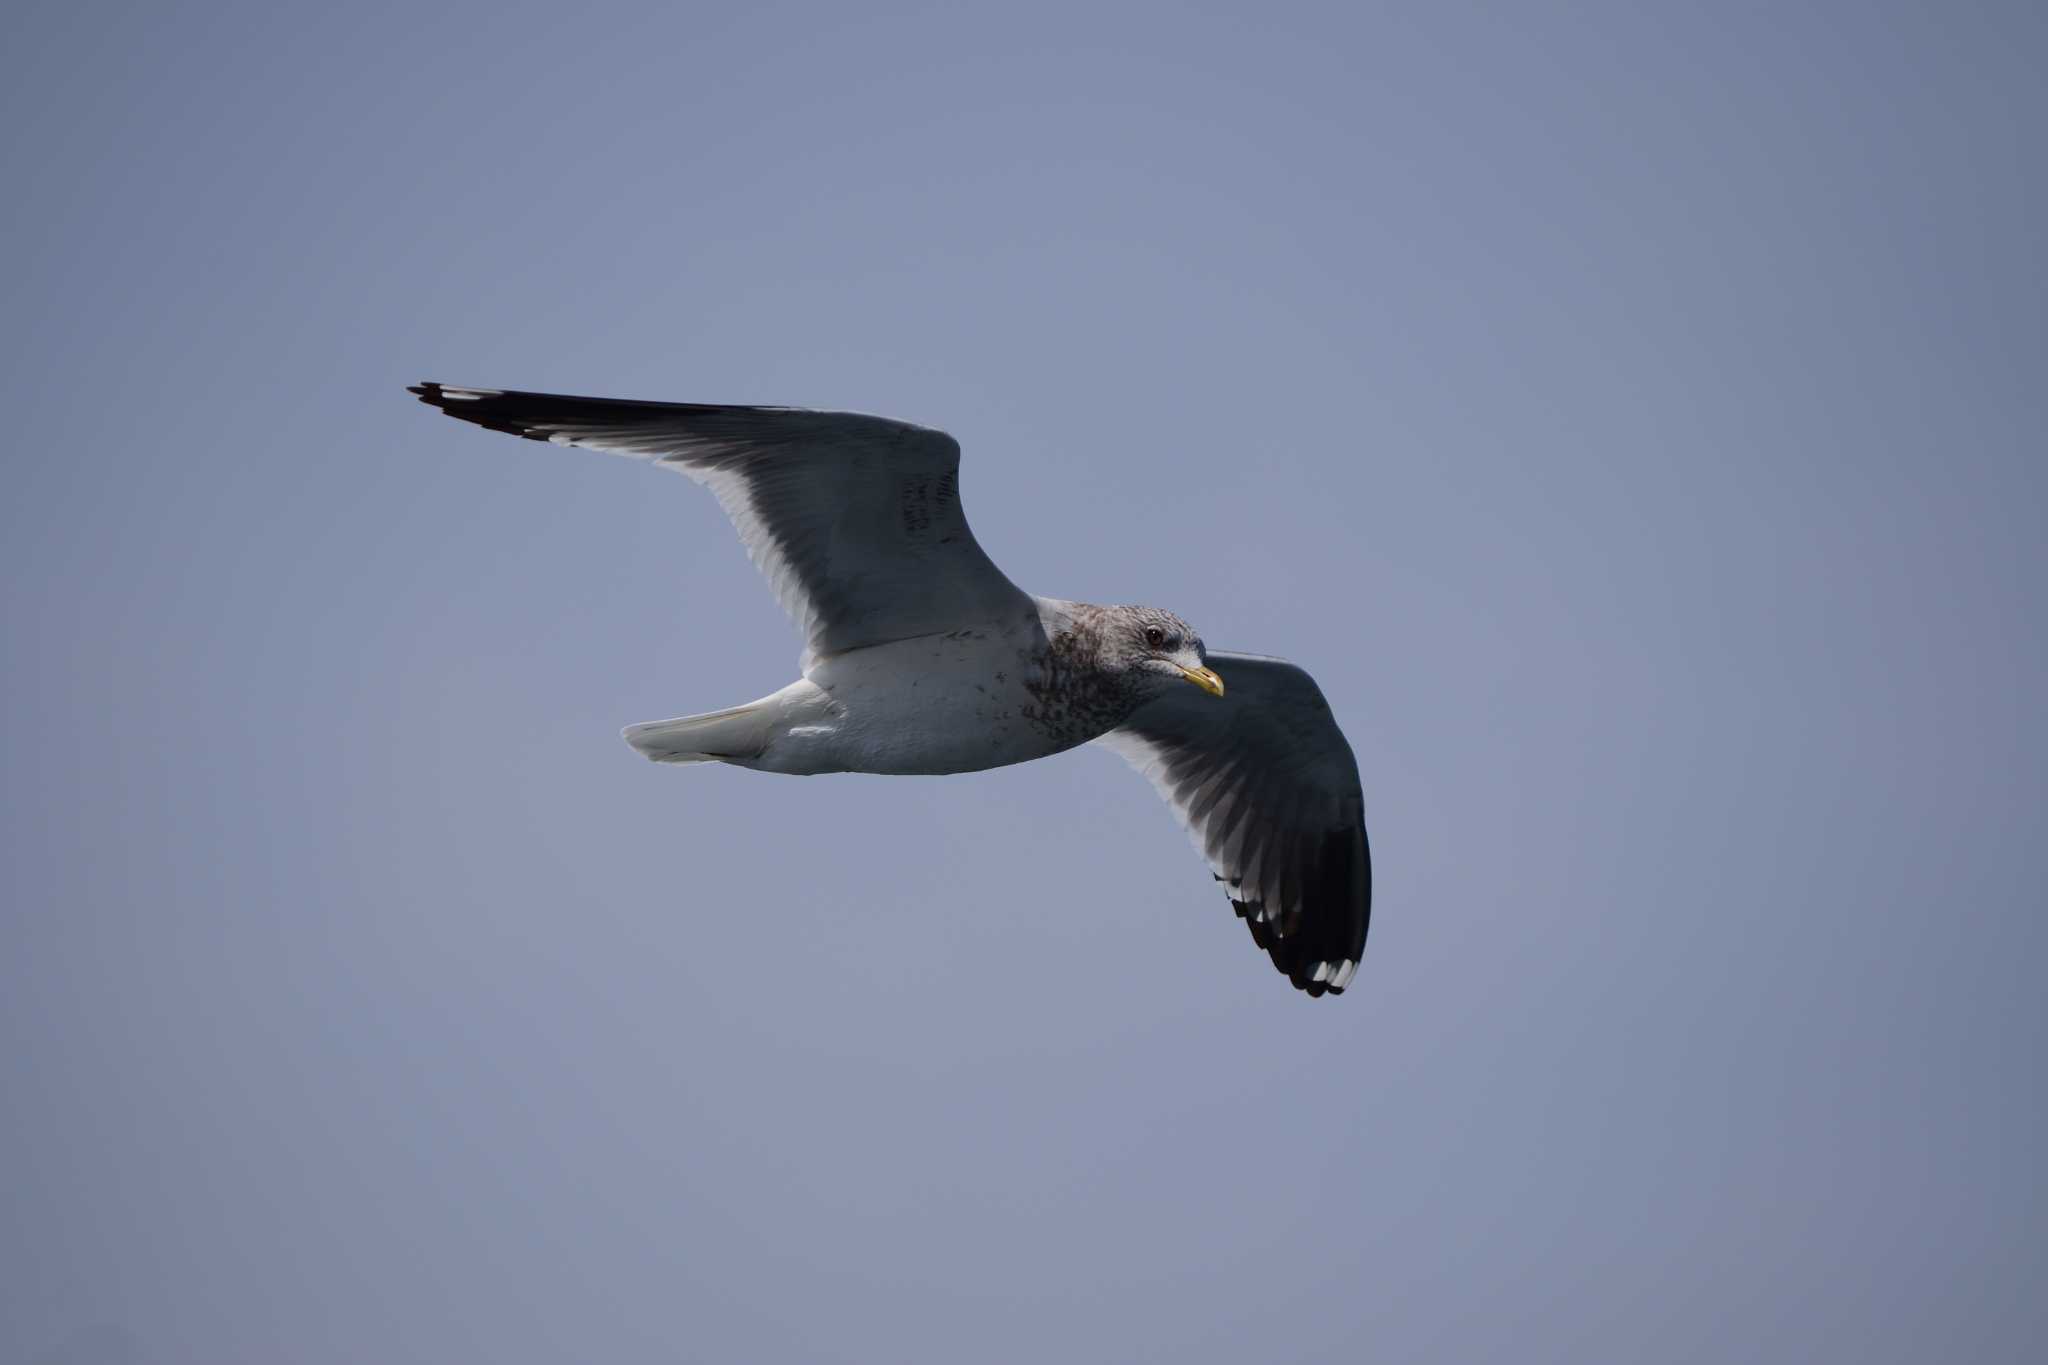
<point x="855" y="520"/>
<point x="1268" y="789"/>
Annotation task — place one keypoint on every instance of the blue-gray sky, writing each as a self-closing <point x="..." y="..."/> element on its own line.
<point x="1632" y="414"/>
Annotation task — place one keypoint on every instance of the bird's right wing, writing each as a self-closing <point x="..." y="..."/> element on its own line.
<point x="1267" y="788"/>
<point x="855" y="520"/>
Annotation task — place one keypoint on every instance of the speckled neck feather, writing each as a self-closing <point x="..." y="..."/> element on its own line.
<point x="1074" y="696"/>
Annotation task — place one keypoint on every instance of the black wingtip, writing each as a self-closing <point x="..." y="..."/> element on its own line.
<point x="432" y="394"/>
<point x="492" y="409"/>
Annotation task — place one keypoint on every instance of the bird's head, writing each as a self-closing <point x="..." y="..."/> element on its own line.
<point x="1159" y="649"/>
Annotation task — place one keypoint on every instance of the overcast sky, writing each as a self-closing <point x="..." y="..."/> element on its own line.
<point x="1631" y="414"/>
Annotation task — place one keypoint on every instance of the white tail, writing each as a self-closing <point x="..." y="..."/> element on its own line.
<point x="716" y="736"/>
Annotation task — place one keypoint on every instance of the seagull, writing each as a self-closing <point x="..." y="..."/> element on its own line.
<point x="921" y="657"/>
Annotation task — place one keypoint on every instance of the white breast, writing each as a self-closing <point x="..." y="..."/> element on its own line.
<point x="948" y="703"/>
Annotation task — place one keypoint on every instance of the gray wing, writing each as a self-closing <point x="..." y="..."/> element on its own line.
<point x="855" y="520"/>
<point x="1267" y="788"/>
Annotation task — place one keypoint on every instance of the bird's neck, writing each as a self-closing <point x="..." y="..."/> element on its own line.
<point x="1073" y="693"/>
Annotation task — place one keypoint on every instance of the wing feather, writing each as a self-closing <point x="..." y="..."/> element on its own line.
<point x="854" y="520"/>
<point x="1268" y="790"/>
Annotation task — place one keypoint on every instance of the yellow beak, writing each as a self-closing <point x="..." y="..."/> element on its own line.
<point x="1206" y="679"/>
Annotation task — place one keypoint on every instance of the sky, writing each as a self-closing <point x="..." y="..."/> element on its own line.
<point x="1631" y="414"/>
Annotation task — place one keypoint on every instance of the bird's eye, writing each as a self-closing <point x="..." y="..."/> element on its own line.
<point x="1154" y="637"/>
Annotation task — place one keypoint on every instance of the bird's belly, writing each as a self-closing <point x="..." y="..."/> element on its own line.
<point x="937" y="704"/>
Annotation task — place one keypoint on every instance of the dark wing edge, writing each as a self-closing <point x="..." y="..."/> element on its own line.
<point x="564" y="418"/>
<point x="698" y="436"/>
<point x="1267" y="788"/>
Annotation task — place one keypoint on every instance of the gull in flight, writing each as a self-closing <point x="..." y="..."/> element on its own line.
<point x="921" y="657"/>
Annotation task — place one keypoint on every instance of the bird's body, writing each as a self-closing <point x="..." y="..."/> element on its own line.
<point x="923" y="658"/>
<point x="984" y="695"/>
